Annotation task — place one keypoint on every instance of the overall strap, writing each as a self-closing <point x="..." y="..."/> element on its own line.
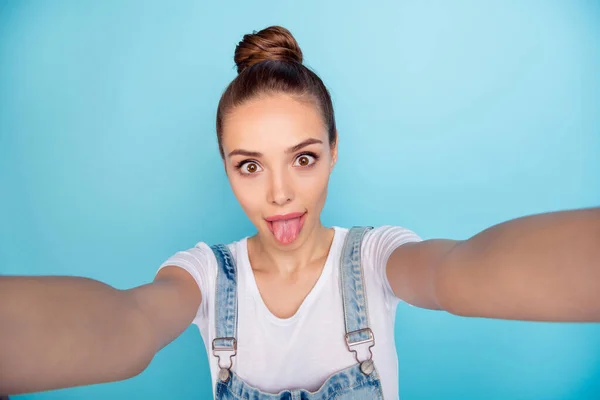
<point x="354" y="296"/>
<point x="225" y="307"/>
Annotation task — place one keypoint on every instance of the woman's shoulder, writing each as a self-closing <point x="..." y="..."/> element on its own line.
<point x="201" y="259"/>
<point x="380" y="241"/>
<point x="205" y="247"/>
<point x="391" y="231"/>
<point x="383" y="233"/>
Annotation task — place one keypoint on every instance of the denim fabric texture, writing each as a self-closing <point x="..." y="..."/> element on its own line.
<point x="226" y="300"/>
<point x="359" y="381"/>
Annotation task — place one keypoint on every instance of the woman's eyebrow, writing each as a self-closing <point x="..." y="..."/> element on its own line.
<point x="293" y="149"/>
<point x="240" y="152"/>
<point x="302" y="144"/>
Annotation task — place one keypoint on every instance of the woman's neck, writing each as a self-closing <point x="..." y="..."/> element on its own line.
<point x="314" y="249"/>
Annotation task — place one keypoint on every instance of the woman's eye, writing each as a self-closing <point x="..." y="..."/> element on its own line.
<point x="304" y="160"/>
<point x="249" y="168"/>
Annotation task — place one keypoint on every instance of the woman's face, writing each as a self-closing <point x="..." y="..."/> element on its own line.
<point x="278" y="160"/>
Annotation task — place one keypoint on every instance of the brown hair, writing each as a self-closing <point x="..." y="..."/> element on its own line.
<point x="268" y="62"/>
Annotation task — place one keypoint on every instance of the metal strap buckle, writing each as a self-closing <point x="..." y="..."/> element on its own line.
<point x="233" y="348"/>
<point x="371" y="339"/>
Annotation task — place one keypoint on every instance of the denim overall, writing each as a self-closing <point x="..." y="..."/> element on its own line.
<point x="359" y="381"/>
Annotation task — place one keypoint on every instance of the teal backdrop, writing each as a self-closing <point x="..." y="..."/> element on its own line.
<point x="453" y="116"/>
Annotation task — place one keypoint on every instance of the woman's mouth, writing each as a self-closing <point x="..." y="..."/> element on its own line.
<point x="286" y="228"/>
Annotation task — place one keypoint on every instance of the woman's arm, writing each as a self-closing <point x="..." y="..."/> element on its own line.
<point x="543" y="267"/>
<point x="63" y="331"/>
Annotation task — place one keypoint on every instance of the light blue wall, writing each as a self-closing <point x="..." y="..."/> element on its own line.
<point x="453" y="116"/>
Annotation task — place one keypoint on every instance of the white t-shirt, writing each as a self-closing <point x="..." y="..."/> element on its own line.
<point x="302" y="351"/>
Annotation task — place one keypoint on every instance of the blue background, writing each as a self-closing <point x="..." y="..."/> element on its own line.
<point x="453" y="116"/>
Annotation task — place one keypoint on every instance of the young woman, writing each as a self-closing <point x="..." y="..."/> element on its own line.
<point x="299" y="310"/>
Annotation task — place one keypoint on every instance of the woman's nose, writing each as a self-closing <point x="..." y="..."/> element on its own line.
<point x="281" y="190"/>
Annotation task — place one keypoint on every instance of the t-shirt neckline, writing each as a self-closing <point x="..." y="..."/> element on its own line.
<point x="308" y="300"/>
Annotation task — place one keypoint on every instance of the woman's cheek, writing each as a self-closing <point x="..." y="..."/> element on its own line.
<point x="248" y="191"/>
<point x="314" y="180"/>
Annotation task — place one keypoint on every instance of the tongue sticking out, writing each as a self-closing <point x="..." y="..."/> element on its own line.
<point x="286" y="231"/>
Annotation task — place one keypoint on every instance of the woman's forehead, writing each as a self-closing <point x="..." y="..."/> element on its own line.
<point x="275" y="121"/>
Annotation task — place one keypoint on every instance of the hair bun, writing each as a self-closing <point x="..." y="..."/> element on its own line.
<point x="272" y="43"/>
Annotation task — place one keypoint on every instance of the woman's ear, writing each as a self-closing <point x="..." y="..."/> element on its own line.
<point x="225" y="167"/>
<point x="334" y="151"/>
